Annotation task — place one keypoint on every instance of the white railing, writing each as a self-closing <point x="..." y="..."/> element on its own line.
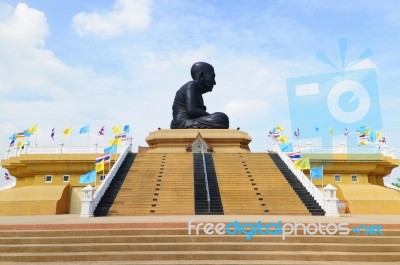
<point x="304" y="180"/>
<point x="99" y="193"/>
<point x="206" y="177"/>
<point x="60" y="149"/>
<point x="342" y="149"/>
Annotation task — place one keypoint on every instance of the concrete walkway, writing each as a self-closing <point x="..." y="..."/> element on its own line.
<point x="391" y="221"/>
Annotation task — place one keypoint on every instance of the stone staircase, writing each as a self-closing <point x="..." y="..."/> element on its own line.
<point x="251" y="183"/>
<point x="169" y="243"/>
<point x="157" y="184"/>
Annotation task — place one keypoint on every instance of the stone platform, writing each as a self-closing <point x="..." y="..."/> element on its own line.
<point x="179" y="140"/>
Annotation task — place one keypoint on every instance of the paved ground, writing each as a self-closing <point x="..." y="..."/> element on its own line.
<point x="390" y="221"/>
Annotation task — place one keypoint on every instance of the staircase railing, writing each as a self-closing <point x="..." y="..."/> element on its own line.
<point x="304" y="180"/>
<point x="99" y="193"/>
<point x="206" y="177"/>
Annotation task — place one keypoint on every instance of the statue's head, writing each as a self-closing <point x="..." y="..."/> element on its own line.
<point x="204" y="74"/>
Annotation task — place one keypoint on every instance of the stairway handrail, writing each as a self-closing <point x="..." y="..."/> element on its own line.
<point x="304" y="180"/>
<point x="99" y="193"/>
<point x="206" y="177"/>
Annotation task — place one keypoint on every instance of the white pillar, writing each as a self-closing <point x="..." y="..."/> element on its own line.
<point x="330" y="201"/>
<point x="87" y="201"/>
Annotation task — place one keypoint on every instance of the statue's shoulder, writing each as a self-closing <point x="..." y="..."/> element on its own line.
<point x="189" y="86"/>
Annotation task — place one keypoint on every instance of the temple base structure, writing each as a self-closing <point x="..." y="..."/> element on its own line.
<point x="179" y="140"/>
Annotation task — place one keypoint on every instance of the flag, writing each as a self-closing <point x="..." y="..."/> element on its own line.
<point x="84" y="129"/>
<point x="33" y="129"/>
<point x="331" y="131"/>
<point x="101" y="132"/>
<point x="67" y="131"/>
<point x="116" y="129"/>
<point x="88" y="177"/>
<point x="378" y="135"/>
<point x="20" y="144"/>
<point x="126" y="128"/>
<point x="26" y="133"/>
<point x="382" y="140"/>
<point x="372" y="137"/>
<point x="274" y="134"/>
<point x="13" y="137"/>
<point x="121" y="135"/>
<point x="303" y="163"/>
<point x="115" y="142"/>
<point x="361" y="129"/>
<point x="106" y="159"/>
<point x="12" y="143"/>
<point x="110" y="150"/>
<point x="346" y="132"/>
<point x="100" y="166"/>
<point x="278" y="128"/>
<point x="286" y="147"/>
<point x="6" y="176"/>
<point x="294" y="155"/>
<point x="282" y="139"/>
<point x="297" y="132"/>
<point x="52" y="133"/>
<point x="21" y="135"/>
<point x="317" y="172"/>
<point x="316" y="129"/>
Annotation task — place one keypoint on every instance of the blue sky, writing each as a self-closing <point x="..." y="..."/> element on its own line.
<point x="72" y="63"/>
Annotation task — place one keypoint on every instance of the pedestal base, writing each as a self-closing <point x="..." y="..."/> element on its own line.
<point x="178" y="140"/>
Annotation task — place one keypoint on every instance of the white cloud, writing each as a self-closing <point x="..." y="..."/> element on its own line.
<point x="127" y="15"/>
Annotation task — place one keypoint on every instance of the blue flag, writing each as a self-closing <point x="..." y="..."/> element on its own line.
<point x="84" y="129"/>
<point x="88" y="177"/>
<point x="317" y="172"/>
<point x="286" y="147"/>
<point x="110" y="150"/>
<point x="126" y="128"/>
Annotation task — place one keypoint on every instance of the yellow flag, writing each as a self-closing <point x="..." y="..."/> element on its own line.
<point x="67" y="131"/>
<point x="20" y="144"/>
<point x="117" y="129"/>
<point x="279" y="128"/>
<point x="100" y="166"/>
<point x="303" y="163"/>
<point x="33" y="129"/>
<point x="115" y="142"/>
<point x="282" y="139"/>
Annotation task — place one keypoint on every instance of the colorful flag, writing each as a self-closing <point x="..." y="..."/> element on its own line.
<point x="372" y="137"/>
<point x="126" y="128"/>
<point x="346" y="132"/>
<point x="123" y="136"/>
<point x="286" y="147"/>
<point x="52" y="133"/>
<point x="101" y="132"/>
<point x="67" y="131"/>
<point x="317" y="172"/>
<point x="294" y="155"/>
<point x="20" y="144"/>
<point x="13" y="137"/>
<point x="278" y="128"/>
<point x="361" y="130"/>
<point x="6" y="176"/>
<point x="33" y="129"/>
<point x="303" y="163"/>
<point x="110" y="150"/>
<point x="282" y="139"/>
<point x="84" y="129"/>
<point x="297" y="132"/>
<point x="116" y="129"/>
<point x="12" y="143"/>
<point x="88" y="177"/>
<point x="331" y="131"/>
<point x="106" y="159"/>
<point x="378" y="135"/>
<point x="21" y="135"/>
<point x="100" y="166"/>
<point x="382" y="140"/>
<point x="115" y="142"/>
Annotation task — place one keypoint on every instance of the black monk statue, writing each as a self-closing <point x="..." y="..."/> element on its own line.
<point x="188" y="110"/>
